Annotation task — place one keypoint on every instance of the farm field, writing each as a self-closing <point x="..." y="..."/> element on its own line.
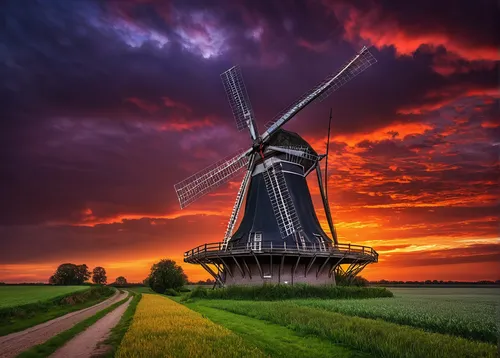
<point x="417" y="322"/>
<point x="469" y="313"/>
<point x="22" y="307"/>
<point x="162" y="327"/>
<point x="11" y="296"/>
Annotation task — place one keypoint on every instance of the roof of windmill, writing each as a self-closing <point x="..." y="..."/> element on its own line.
<point x="286" y="138"/>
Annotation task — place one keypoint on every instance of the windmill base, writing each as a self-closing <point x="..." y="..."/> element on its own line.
<point x="285" y="265"/>
<point x="289" y="274"/>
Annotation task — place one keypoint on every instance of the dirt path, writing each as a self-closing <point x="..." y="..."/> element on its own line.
<point x="86" y="344"/>
<point x="13" y="344"/>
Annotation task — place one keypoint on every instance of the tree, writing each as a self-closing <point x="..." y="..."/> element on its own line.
<point x="166" y="274"/>
<point x="99" y="275"/>
<point x="83" y="273"/>
<point x="70" y="274"/>
<point x="121" y="281"/>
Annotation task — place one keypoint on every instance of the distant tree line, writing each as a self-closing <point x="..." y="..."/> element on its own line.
<point x="164" y="275"/>
<point x="435" y="282"/>
<point x="71" y="274"/>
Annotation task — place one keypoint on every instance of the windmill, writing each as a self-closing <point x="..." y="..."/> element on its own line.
<point x="279" y="238"/>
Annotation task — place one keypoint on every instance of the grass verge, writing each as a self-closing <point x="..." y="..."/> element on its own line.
<point x="118" y="332"/>
<point x="272" y="339"/>
<point x="163" y="327"/>
<point x="374" y="337"/>
<point x="50" y="346"/>
<point x="14" y="319"/>
<point x="271" y="292"/>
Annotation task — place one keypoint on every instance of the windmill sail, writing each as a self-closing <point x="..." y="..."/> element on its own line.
<point x="237" y="95"/>
<point x="237" y="207"/>
<point x="206" y="180"/>
<point x="354" y="67"/>
<point x="281" y="201"/>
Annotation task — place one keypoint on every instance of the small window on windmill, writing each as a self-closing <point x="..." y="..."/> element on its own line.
<point x="256" y="243"/>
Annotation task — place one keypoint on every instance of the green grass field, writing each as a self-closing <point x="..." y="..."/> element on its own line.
<point x="417" y="322"/>
<point x="469" y="313"/>
<point x="11" y="296"/>
<point x="26" y="306"/>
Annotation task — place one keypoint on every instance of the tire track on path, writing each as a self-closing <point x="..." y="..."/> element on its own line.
<point x="13" y="344"/>
<point x="86" y="344"/>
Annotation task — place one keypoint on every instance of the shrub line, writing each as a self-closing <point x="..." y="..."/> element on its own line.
<point x="272" y="292"/>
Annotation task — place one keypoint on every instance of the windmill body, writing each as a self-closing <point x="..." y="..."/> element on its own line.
<point x="279" y="239"/>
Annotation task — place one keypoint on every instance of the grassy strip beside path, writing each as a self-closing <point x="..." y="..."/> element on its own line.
<point x="118" y="332"/>
<point x="161" y="325"/>
<point x="15" y="319"/>
<point x="273" y="339"/>
<point x="375" y="337"/>
<point x="49" y="347"/>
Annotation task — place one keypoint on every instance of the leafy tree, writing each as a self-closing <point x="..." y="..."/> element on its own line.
<point x="83" y="273"/>
<point x="70" y="274"/>
<point x="121" y="281"/>
<point x="99" y="275"/>
<point x="166" y="274"/>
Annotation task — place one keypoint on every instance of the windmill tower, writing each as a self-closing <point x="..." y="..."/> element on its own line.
<point x="279" y="239"/>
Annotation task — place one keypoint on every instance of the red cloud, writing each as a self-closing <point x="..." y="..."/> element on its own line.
<point x="314" y="46"/>
<point x="170" y="103"/>
<point x="144" y="105"/>
<point x="382" y="30"/>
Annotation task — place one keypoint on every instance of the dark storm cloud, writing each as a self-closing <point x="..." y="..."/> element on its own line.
<point x="106" y="104"/>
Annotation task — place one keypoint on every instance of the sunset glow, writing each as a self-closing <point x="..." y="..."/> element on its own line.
<point x="108" y="106"/>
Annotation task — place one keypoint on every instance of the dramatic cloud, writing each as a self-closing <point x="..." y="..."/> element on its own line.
<point x="107" y="104"/>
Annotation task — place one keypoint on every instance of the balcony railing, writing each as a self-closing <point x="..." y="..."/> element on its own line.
<point x="269" y="248"/>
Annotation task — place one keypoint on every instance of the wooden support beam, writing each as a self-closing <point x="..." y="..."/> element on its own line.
<point x="326" y="205"/>
<point x="248" y="269"/>
<point x="310" y="265"/>
<point x="280" y="270"/>
<point x="226" y="267"/>
<point x="296" y="265"/>
<point x="320" y="270"/>
<point x="271" y="265"/>
<point x="238" y="266"/>
<point x="258" y="265"/>
<point x="337" y="264"/>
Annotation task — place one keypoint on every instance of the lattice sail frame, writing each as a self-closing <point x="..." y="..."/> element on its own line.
<point x="281" y="201"/>
<point x="354" y="67"/>
<point x="239" y="101"/>
<point x="211" y="177"/>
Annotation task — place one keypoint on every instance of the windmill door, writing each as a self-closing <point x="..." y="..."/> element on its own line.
<point x="256" y="243"/>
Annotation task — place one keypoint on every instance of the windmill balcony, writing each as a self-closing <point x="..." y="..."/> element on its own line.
<point x="259" y="263"/>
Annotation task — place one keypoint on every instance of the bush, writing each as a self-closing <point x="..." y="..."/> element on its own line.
<point x="166" y="274"/>
<point x="171" y="292"/>
<point x="343" y="280"/>
<point x="270" y="292"/>
<point x="184" y="289"/>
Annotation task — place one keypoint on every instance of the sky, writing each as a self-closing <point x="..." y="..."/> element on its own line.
<point x="107" y="104"/>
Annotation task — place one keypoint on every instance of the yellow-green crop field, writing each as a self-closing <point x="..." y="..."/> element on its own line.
<point x="164" y="328"/>
<point x="416" y="322"/>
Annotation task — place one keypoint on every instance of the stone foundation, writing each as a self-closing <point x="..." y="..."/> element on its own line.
<point x="277" y="274"/>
